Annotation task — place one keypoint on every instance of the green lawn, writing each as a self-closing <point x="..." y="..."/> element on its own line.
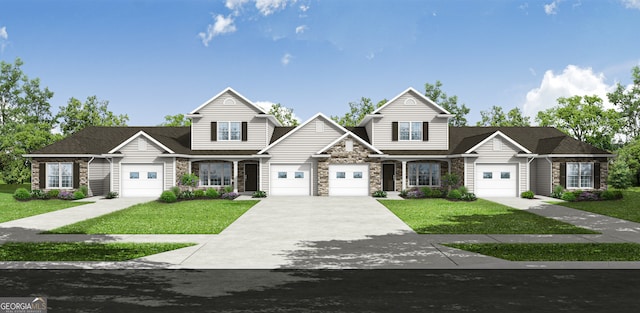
<point x="439" y="216"/>
<point x="10" y="209"/>
<point x="187" y="217"/>
<point x="82" y="251"/>
<point x="556" y="251"/>
<point x="628" y="208"/>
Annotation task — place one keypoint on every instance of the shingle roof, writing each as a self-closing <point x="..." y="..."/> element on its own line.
<point x="278" y="132"/>
<point x="360" y="132"/>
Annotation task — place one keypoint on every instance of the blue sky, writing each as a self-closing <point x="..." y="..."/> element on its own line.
<point x="153" y="58"/>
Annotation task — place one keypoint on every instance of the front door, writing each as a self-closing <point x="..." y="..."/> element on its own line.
<point x="251" y="177"/>
<point x="388" y="181"/>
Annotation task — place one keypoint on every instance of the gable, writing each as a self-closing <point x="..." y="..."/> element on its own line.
<point x="139" y="145"/>
<point x="498" y="142"/>
<point x="228" y="97"/>
<point x="411" y="97"/>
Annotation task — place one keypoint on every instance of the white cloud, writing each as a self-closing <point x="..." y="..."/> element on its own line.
<point x="223" y="25"/>
<point x="3" y="33"/>
<point x="268" y="7"/>
<point x="300" y="29"/>
<point x="573" y="81"/>
<point x="532" y="71"/>
<point x="551" y="8"/>
<point x="631" y="4"/>
<point x="370" y="56"/>
<point x="304" y="8"/>
<point x="286" y="58"/>
<point x="235" y="4"/>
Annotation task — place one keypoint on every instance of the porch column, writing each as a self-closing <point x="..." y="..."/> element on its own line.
<point x="235" y="176"/>
<point x="404" y="175"/>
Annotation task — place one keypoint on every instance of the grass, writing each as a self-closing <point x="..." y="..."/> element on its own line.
<point x="10" y="209"/>
<point x="82" y="251"/>
<point x="439" y="216"/>
<point x="556" y="251"/>
<point x="187" y="217"/>
<point x="627" y="208"/>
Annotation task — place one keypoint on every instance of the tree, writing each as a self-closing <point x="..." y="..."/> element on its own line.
<point x="583" y="118"/>
<point x="628" y="102"/>
<point x="496" y="117"/>
<point x="284" y="115"/>
<point x="176" y="120"/>
<point x="357" y="112"/>
<point x="620" y="175"/>
<point x="93" y="112"/>
<point x="450" y="104"/>
<point x="25" y="121"/>
<point x="630" y="153"/>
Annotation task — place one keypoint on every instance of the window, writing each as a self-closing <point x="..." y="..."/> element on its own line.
<point x="229" y="131"/>
<point x="299" y="175"/>
<point x="410" y="131"/>
<point x="505" y="175"/>
<point x="424" y="174"/>
<point x="134" y="175"/>
<point x="487" y="175"/>
<point x="59" y="175"/>
<point x="357" y="174"/>
<point x="152" y="175"/>
<point x="341" y="175"/>
<point x="282" y="174"/>
<point x="215" y="174"/>
<point x="579" y="175"/>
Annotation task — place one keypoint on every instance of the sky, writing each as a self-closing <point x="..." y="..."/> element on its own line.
<point x="154" y="58"/>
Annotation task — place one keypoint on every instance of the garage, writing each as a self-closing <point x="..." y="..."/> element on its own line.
<point x="497" y="180"/>
<point x="290" y="180"/>
<point x="142" y="180"/>
<point x="349" y="180"/>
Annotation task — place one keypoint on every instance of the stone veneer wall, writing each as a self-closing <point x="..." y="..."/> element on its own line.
<point x="182" y="167"/>
<point x="604" y="169"/>
<point x="339" y="155"/>
<point x="35" y="171"/>
<point x="457" y="168"/>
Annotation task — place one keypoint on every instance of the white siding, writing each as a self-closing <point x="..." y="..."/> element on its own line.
<point x="217" y="111"/>
<point x="487" y="154"/>
<point x="132" y="154"/>
<point x="470" y="173"/>
<point x="398" y="111"/>
<point x="543" y="177"/>
<point x="99" y="177"/>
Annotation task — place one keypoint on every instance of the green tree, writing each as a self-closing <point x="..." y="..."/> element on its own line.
<point x="630" y="153"/>
<point x="93" y="112"/>
<point x="435" y="93"/>
<point x="628" y="103"/>
<point x="284" y="115"/>
<point x="357" y="112"/>
<point x="176" y="120"/>
<point x="620" y="175"/>
<point x="25" y="121"/>
<point x="583" y="118"/>
<point x="497" y="117"/>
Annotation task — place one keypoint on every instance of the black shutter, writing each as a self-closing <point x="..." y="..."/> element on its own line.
<point x="76" y="175"/>
<point x="596" y="175"/>
<point x="43" y="176"/>
<point x="214" y="131"/>
<point x="394" y="131"/>
<point x="563" y="174"/>
<point x="425" y="131"/>
<point x="244" y="131"/>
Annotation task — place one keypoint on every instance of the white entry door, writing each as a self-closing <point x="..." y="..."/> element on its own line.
<point x="290" y="180"/>
<point x="349" y="180"/>
<point x="142" y="180"/>
<point x="496" y="180"/>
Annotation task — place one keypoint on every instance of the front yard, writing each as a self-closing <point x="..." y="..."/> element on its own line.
<point x="627" y="208"/>
<point x="555" y="251"/>
<point x="10" y="209"/>
<point x="439" y="216"/>
<point x="82" y="251"/>
<point x="187" y="217"/>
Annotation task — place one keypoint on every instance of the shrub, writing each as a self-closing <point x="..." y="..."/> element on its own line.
<point x="611" y="195"/>
<point x="22" y="194"/>
<point x="168" y="196"/>
<point x="454" y="194"/>
<point x="176" y="190"/>
<point x="85" y="191"/>
<point x="527" y="194"/>
<point x="426" y="191"/>
<point x="230" y="195"/>
<point x="190" y="180"/>
<point x="65" y="195"/>
<point x="380" y="194"/>
<point x="436" y="193"/>
<point x="77" y="195"/>
<point x="576" y="193"/>
<point x="228" y="189"/>
<point x="187" y="195"/>
<point x="463" y="190"/>
<point x="259" y="194"/>
<point x="53" y="193"/>
<point x="588" y="196"/>
<point x="403" y="193"/>
<point x="198" y="193"/>
<point x="415" y="194"/>
<point x="449" y="180"/>
<point x="558" y="191"/>
<point x="469" y="197"/>
<point x="620" y="176"/>
<point x="39" y="194"/>
<point x="569" y="196"/>
<point x="112" y="195"/>
<point x="212" y="193"/>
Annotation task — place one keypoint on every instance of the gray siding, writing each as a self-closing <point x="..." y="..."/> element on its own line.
<point x="470" y="173"/>
<point x="217" y="111"/>
<point x="487" y="154"/>
<point x="398" y="111"/>
<point x="533" y="169"/>
<point x="152" y="154"/>
<point x="99" y="177"/>
<point x="543" y="177"/>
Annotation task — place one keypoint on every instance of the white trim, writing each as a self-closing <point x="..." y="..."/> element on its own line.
<point x="173" y="182"/>
<point x="63" y="156"/>
<point x="382" y="164"/>
<point x="311" y="178"/>
<point x="110" y="174"/>
<point x="577" y="155"/>
<point x="228" y="131"/>
<point x="466" y="181"/>
<point x="496" y="133"/>
<point x="138" y="134"/>
<point x="411" y="131"/>
<point x="223" y="92"/>
<point x="88" y="176"/>
<point x="566" y="176"/>
<point x="269" y="117"/>
<point x="318" y="115"/>
<point x="46" y="175"/>
<point x="352" y="135"/>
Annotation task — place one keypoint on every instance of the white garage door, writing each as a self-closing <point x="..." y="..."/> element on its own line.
<point x="142" y="180"/>
<point x="290" y="180"/>
<point x="349" y="180"/>
<point x="496" y="180"/>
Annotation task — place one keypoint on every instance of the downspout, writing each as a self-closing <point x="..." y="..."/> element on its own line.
<point x="110" y="174"/>
<point x="529" y="173"/>
<point x="550" y="174"/>
<point x="89" y="175"/>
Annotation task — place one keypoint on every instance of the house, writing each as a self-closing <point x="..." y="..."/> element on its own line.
<point x="405" y="143"/>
